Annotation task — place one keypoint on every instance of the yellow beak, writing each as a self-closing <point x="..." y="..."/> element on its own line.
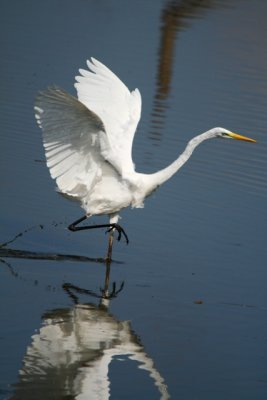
<point x="240" y="137"/>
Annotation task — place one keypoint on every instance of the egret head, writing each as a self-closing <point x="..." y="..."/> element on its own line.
<point x="224" y="133"/>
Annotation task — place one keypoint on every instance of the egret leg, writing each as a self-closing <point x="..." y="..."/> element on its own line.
<point x="110" y="244"/>
<point x="111" y="227"/>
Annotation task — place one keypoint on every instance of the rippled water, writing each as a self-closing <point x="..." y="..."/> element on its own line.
<point x="186" y="314"/>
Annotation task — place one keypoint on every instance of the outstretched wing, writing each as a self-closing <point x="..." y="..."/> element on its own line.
<point x="72" y="137"/>
<point x="102" y="92"/>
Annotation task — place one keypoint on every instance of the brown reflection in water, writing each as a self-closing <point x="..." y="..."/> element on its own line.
<point x="174" y="17"/>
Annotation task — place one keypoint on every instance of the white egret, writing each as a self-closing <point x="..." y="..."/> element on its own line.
<point x="88" y="146"/>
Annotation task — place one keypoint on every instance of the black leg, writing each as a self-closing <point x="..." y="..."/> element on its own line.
<point x="73" y="227"/>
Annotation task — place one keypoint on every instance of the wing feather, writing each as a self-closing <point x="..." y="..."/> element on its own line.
<point x="102" y="92"/>
<point x="72" y="137"/>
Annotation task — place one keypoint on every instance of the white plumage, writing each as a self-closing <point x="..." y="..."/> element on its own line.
<point x="88" y="145"/>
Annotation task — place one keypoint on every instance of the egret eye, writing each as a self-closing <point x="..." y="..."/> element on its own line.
<point x="225" y="135"/>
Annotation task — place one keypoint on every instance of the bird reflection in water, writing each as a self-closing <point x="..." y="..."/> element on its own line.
<point x="71" y="354"/>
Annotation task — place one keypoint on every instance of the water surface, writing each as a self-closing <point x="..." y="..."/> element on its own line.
<point x="186" y="317"/>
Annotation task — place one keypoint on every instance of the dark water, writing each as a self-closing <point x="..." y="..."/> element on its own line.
<point x="186" y="318"/>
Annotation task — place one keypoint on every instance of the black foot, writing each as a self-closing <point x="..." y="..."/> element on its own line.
<point x="74" y="228"/>
<point x="120" y="231"/>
